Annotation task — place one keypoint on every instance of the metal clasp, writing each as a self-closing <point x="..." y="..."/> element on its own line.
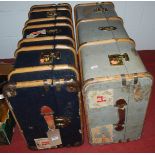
<point x="10" y="90"/>
<point x="62" y="122"/>
<point x="107" y="28"/>
<point x="48" y="57"/>
<point x="51" y="13"/>
<point x="117" y="59"/>
<point x="100" y="10"/>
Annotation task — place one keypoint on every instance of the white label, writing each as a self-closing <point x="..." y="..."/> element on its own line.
<point x="102" y="134"/>
<point x="43" y="143"/>
<point x="99" y="99"/>
<point x="35" y="34"/>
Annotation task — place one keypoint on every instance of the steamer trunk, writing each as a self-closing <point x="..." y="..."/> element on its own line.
<point x="45" y="102"/>
<point x="116" y="91"/>
<point x="115" y="84"/>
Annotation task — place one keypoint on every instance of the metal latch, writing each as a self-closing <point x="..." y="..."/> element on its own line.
<point x="52" y="31"/>
<point x="62" y="122"/>
<point x="48" y="57"/>
<point x="100" y="10"/>
<point x="10" y="90"/>
<point x="51" y="14"/>
<point x="107" y="28"/>
<point x="117" y="59"/>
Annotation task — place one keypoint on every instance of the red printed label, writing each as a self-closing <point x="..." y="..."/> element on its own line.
<point x="99" y="99"/>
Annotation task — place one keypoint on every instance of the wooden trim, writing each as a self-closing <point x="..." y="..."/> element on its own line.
<point x="114" y="78"/>
<point x="98" y="19"/>
<point x="43" y="68"/>
<point x="89" y="4"/>
<point x="50" y="9"/>
<point x="44" y="39"/>
<point x="47" y="19"/>
<point x="65" y="4"/>
<point x="48" y="25"/>
<point x="102" y="42"/>
<point x="37" y="83"/>
<point x="50" y="5"/>
<point x="42" y="5"/>
<point x="46" y="47"/>
<point x="109" y="41"/>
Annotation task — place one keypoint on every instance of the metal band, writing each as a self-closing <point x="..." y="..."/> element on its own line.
<point x="135" y="78"/>
<point x="123" y="79"/>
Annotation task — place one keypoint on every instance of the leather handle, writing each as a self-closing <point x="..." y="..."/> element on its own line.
<point x="47" y="113"/>
<point x="121" y="103"/>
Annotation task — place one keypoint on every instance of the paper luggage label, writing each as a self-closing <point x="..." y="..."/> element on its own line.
<point x="99" y="99"/>
<point x="36" y="33"/>
<point x="52" y="141"/>
<point x="43" y="143"/>
<point x="102" y="134"/>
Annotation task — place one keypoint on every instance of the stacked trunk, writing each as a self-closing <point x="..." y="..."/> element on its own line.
<point x="116" y="85"/>
<point x="43" y="91"/>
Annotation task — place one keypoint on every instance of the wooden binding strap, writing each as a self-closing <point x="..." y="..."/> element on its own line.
<point x="47" y="19"/>
<point x="43" y="68"/>
<point x="27" y="40"/>
<point x="50" y="5"/>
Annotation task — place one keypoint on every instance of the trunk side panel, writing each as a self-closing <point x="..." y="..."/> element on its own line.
<point x="139" y="98"/>
<point x="103" y="116"/>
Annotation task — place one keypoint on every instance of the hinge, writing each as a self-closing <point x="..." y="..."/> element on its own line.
<point x="73" y="87"/>
<point x="47" y="84"/>
<point x="135" y="78"/>
<point x="58" y="83"/>
<point x="10" y="90"/>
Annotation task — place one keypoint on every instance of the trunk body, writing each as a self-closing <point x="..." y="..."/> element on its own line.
<point x="116" y="85"/>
